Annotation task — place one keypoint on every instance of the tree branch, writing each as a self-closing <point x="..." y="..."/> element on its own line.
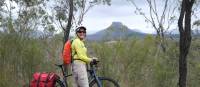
<point x="163" y="14"/>
<point x="61" y="24"/>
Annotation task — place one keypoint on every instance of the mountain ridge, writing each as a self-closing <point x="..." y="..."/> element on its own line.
<point x="114" y="32"/>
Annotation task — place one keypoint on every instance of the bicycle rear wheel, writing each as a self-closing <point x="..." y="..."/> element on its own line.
<point x="105" y="82"/>
<point x="59" y="83"/>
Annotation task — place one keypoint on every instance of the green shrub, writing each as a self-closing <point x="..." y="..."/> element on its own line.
<point x="20" y="57"/>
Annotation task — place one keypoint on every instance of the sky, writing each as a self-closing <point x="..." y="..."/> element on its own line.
<point x="102" y="16"/>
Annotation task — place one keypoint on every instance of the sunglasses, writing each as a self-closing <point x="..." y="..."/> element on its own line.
<point x="81" y="31"/>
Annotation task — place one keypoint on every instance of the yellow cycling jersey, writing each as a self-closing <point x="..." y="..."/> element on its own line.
<point x="79" y="51"/>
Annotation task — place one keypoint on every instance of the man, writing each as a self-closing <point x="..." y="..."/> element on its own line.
<point x="80" y="58"/>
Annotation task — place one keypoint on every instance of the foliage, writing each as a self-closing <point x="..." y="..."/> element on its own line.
<point x="133" y="62"/>
<point x="139" y="63"/>
<point x="24" y="15"/>
<point x="21" y="57"/>
<point x="81" y="7"/>
<point x="161" y="16"/>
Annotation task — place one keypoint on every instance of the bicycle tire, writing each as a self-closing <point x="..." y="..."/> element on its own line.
<point x="106" y="82"/>
<point x="59" y="83"/>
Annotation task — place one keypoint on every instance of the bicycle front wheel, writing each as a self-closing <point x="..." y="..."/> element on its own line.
<point x="59" y="83"/>
<point x="105" y="82"/>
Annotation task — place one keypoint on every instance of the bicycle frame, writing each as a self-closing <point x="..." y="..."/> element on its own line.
<point x="65" y="75"/>
<point x="93" y="75"/>
<point x="92" y="72"/>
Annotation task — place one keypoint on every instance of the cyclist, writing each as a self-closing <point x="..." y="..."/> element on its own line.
<point x="80" y="58"/>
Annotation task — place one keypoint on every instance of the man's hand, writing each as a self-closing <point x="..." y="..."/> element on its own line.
<point x="94" y="60"/>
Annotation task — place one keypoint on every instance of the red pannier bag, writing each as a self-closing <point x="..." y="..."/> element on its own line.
<point x="43" y="80"/>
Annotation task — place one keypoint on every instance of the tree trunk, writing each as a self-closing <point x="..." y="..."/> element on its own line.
<point x="69" y="21"/>
<point x="185" y="39"/>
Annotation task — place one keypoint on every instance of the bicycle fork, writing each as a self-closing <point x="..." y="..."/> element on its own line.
<point x="96" y="78"/>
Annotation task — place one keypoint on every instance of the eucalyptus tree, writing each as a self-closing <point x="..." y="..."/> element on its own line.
<point x="24" y="16"/>
<point x="71" y="15"/>
<point x="161" y="15"/>
<point x="1" y="9"/>
<point x="184" y="24"/>
<point x="196" y="19"/>
<point x="27" y="15"/>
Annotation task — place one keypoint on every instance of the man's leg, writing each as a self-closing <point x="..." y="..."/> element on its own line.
<point x="80" y="74"/>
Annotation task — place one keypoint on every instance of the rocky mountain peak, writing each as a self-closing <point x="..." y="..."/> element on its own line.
<point x="116" y="24"/>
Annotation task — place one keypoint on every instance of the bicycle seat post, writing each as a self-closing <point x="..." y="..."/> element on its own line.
<point x="65" y="73"/>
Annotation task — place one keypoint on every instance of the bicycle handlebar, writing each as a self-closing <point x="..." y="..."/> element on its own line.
<point x="94" y="62"/>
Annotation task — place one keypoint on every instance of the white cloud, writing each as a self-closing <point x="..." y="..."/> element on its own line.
<point x="101" y="16"/>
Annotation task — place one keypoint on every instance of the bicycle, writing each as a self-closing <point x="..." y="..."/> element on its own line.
<point x="94" y="80"/>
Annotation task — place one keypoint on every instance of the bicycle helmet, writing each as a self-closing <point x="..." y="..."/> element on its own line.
<point x="81" y="27"/>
